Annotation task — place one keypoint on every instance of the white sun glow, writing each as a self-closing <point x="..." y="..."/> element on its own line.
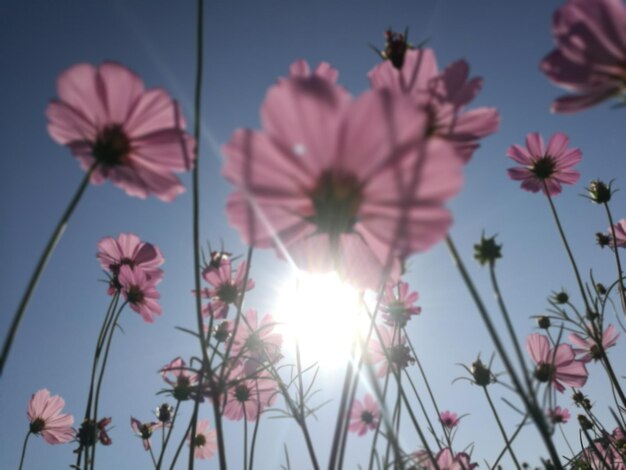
<point x="322" y="313"/>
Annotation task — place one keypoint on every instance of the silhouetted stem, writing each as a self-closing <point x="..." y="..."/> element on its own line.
<point x="617" y="258"/>
<point x="41" y="265"/>
<point x="567" y="248"/>
<point x="180" y="446"/>
<point x="510" y="441"/>
<point x="529" y="401"/>
<point x="167" y="438"/>
<point x="502" y="431"/>
<point x="24" y="450"/>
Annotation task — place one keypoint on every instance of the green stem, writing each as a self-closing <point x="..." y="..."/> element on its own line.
<point x="617" y="258"/>
<point x="41" y="265"/>
<point x="180" y="446"/>
<point x="167" y="438"/>
<point x="24" y="450"/>
<point x="567" y="247"/>
<point x="502" y="431"/>
<point x="256" y="430"/>
<point x="529" y="400"/>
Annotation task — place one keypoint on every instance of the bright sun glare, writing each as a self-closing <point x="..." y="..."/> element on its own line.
<point x="322" y="313"/>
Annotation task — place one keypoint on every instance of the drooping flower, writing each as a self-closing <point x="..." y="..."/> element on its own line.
<point x="590" y="55"/>
<point x="551" y="165"/>
<point x="47" y="420"/>
<point x="140" y="292"/>
<point x="339" y="184"/>
<point x="364" y="416"/>
<point x="205" y="441"/>
<point x="620" y="234"/>
<point x="248" y="397"/>
<point x="177" y="374"/>
<point x="225" y="290"/>
<point x="136" y="136"/>
<point x="588" y="347"/>
<point x="398" y="307"/>
<point x="144" y="430"/>
<point x="91" y="432"/>
<point x="389" y="350"/>
<point x="557" y="366"/>
<point x="449" y="419"/>
<point x="129" y="250"/>
<point x="446" y="460"/>
<point x="443" y="95"/>
<point x="559" y="415"/>
<point x="255" y="343"/>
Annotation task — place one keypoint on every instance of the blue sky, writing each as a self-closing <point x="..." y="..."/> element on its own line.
<point x="247" y="46"/>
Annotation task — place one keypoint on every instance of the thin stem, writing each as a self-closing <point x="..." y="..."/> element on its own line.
<point x="245" y="438"/>
<point x="567" y="248"/>
<point x="613" y="378"/>
<point x="152" y="456"/>
<point x="41" y="265"/>
<point x="101" y="376"/>
<point x="167" y="438"/>
<point x="501" y="427"/>
<point x="180" y="446"/>
<point x="255" y="431"/>
<point x="529" y="400"/>
<point x="24" y="449"/>
<point x="509" y="324"/>
<point x="510" y="441"/>
<point x="396" y="415"/>
<point x="377" y="430"/>
<point x="617" y="258"/>
<point x="341" y="412"/>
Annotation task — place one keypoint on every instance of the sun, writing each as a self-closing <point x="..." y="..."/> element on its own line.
<point x="322" y="313"/>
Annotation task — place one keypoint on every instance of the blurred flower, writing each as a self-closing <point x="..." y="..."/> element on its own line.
<point x="558" y="366"/>
<point x="137" y="137"/>
<point x="559" y="415"/>
<point x="144" y="430"/>
<point x="46" y="419"/>
<point x="588" y="346"/>
<point x="301" y="69"/>
<point x="590" y="53"/>
<point x="442" y="95"/>
<point x="339" y="184"/>
<point x="398" y="308"/>
<point x="129" y="250"/>
<point x="544" y="322"/>
<point x="140" y="292"/>
<point x="164" y="413"/>
<point x="225" y="290"/>
<point x="390" y="351"/>
<point x="446" y="460"/>
<point x="481" y="373"/>
<point x="449" y="419"/>
<point x="551" y="165"/>
<point x="205" y="441"/>
<point x="602" y="239"/>
<point x="178" y="376"/>
<point x="248" y="397"/>
<point x="364" y="416"/>
<point x="620" y="234"/>
<point x="256" y="343"/>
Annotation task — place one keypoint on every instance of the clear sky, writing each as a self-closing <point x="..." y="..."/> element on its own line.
<point x="248" y="45"/>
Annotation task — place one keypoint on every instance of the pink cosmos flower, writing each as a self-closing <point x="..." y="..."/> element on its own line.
<point x="249" y="397"/>
<point x="178" y="376"/>
<point x="364" y="416"/>
<point x="300" y="68"/>
<point x="129" y="250"/>
<point x="46" y="419"/>
<point x="558" y="366"/>
<point x="144" y="430"/>
<point x="256" y="343"/>
<point x="205" y="441"/>
<point x="225" y="290"/>
<point x="620" y="234"/>
<point x="443" y="95"/>
<point x="559" y="415"/>
<point x="399" y="306"/>
<point x="588" y="347"/>
<point x="136" y="136"/>
<point x="449" y="419"/>
<point x="339" y="184"/>
<point x="551" y="165"/>
<point x="140" y="292"/>
<point x="446" y="460"/>
<point x="590" y="54"/>
<point x="392" y="350"/>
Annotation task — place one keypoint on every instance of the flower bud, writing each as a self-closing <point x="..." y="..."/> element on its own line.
<point x="481" y="373"/>
<point x="584" y="422"/>
<point x="487" y="251"/>
<point x="543" y="322"/>
<point x="599" y="192"/>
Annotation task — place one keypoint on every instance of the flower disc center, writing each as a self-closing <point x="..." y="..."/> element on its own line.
<point x="336" y="200"/>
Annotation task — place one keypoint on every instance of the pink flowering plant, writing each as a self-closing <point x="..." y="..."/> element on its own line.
<point x="347" y="187"/>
